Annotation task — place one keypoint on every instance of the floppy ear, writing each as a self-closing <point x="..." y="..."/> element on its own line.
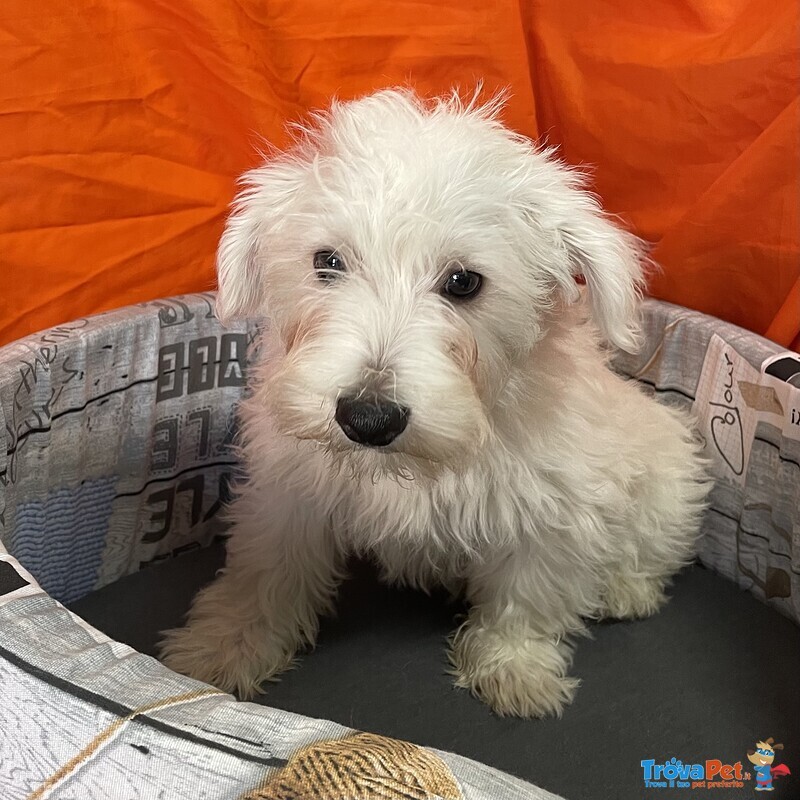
<point x="610" y="260"/>
<point x="265" y="203"/>
<point x="589" y="244"/>
<point x="238" y="275"/>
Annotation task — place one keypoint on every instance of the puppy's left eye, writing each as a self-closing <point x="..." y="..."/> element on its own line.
<point x="327" y="263"/>
<point x="463" y="284"/>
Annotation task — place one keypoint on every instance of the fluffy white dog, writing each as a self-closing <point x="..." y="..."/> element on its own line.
<point x="435" y="396"/>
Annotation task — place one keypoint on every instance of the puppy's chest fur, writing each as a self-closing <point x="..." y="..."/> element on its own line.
<point x="433" y="532"/>
<point x="421" y="533"/>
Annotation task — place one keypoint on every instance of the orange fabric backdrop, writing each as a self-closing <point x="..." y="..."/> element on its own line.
<point x="123" y="124"/>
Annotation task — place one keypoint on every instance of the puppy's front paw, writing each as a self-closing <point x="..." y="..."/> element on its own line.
<point x="630" y="596"/>
<point x="234" y="659"/>
<point x="521" y="677"/>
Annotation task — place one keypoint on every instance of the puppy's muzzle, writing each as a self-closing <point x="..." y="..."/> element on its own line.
<point x="372" y="422"/>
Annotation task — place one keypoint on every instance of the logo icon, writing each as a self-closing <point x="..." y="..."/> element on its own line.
<point x="761" y="758"/>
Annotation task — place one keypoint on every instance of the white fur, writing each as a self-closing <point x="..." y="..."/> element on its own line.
<point x="530" y="477"/>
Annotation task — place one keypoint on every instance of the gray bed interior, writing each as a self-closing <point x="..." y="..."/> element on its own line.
<point x="713" y="670"/>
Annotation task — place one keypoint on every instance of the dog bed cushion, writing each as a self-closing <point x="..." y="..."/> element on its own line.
<point x="118" y="431"/>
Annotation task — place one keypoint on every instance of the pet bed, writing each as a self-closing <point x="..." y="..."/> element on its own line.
<point x="117" y="464"/>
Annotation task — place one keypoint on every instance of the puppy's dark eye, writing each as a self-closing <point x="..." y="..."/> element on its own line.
<point x="327" y="263"/>
<point x="463" y="284"/>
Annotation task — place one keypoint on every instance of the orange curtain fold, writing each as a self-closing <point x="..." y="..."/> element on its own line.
<point x="124" y="124"/>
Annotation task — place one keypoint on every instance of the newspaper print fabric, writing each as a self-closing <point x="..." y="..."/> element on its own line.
<point x="118" y="432"/>
<point x="745" y="392"/>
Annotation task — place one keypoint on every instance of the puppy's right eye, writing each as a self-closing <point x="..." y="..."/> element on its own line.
<point x="327" y="263"/>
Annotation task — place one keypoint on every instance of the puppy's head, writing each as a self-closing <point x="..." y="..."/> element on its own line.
<point x="409" y="257"/>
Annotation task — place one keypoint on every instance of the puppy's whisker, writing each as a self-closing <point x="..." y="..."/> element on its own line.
<point x="393" y="376"/>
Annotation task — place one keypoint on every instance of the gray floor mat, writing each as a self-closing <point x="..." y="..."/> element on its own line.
<point x="703" y="679"/>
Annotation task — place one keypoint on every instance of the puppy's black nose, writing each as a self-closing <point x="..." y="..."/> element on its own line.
<point x="372" y="422"/>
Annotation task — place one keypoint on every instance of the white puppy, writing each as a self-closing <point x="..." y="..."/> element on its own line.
<point x="434" y="397"/>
